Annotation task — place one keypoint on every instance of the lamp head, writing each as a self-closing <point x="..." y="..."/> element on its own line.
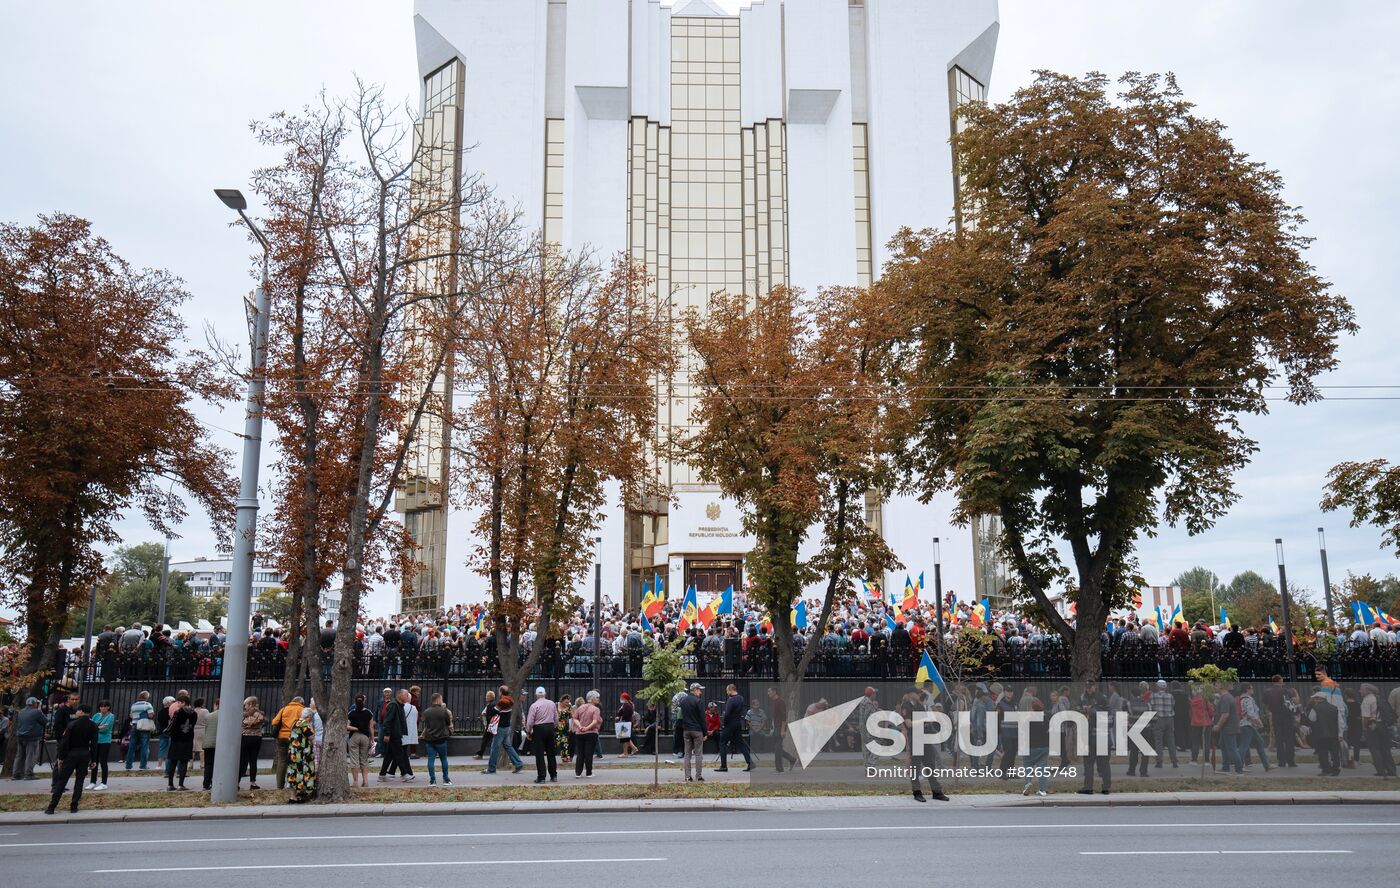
<point x="232" y="198"/>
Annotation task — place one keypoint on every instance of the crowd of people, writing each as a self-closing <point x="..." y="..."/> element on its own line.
<point x="864" y="635"/>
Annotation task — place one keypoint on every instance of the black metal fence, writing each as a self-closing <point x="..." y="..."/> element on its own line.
<point x="463" y="677"/>
<point x="1047" y="659"/>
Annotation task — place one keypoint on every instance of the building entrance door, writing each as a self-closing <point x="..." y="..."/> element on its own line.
<point x="712" y="576"/>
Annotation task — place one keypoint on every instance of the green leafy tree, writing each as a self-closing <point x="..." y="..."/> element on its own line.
<point x="1200" y="592"/>
<point x="1383" y="593"/>
<point x="1077" y="360"/>
<point x="1246" y="583"/>
<point x="130" y="592"/>
<point x="215" y="608"/>
<point x="664" y="672"/>
<point x="1370" y="491"/>
<point x="276" y="604"/>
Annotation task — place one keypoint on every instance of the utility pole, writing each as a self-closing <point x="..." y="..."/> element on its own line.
<point x="938" y="587"/>
<point x="240" y="597"/>
<point x="1287" y="622"/>
<point x="597" y="611"/>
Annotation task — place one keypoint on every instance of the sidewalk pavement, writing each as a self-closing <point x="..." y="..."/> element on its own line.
<point x="792" y="803"/>
<point x="465" y="773"/>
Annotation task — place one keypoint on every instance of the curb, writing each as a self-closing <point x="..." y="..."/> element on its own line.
<point x="1196" y="803"/>
<point x="627" y="806"/>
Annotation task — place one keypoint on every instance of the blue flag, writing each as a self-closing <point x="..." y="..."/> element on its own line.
<point x="726" y="601"/>
<point x="929" y="672"/>
<point x="799" y="615"/>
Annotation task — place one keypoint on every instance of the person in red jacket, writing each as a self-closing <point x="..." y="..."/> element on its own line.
<point x="1202" y="716"/>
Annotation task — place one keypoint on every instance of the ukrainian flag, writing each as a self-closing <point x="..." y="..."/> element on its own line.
<point x="799" y="615"/>
<point x="929" y="673"/>
<point x="1273" y="627"/>
<point x="1224" y="617"/>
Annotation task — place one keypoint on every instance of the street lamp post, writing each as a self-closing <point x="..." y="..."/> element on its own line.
<point x="1326" y="580"/>
<point x="85" y="666"/>
<point x="164" y="584"/>
<point x="597" y="611"/>
<point x="938" y="587"/>
<point x="240" y="596"/>
<point x="1287" y="620"/>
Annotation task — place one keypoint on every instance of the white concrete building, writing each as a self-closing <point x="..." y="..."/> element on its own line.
<point x="733" y="144"/>
<point x="211" y="576"/>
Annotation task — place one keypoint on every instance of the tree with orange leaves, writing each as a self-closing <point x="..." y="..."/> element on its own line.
<point x="1077" y="361"/>
<point x="790" y="427"/>
<point x="95" y="394"/>
<point x="375" y="259"/>
<point x="559" y="354"/>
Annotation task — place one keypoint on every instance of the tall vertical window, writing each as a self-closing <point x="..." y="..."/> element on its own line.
<point x="963" y="89"/>
<point x="554" y="180"/>
<point x="860" y="159"/>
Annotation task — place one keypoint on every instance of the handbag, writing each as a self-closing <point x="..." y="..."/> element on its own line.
<point x="493" y="725"/>
<point x="624" y="729"/>
<point x="145" y="724"/>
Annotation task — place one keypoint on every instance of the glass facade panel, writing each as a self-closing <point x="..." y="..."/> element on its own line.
<point x="420" y="494"/>
<point x="962" y="89"/>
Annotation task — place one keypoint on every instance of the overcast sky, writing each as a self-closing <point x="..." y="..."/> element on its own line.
<point x="129" y="113"/>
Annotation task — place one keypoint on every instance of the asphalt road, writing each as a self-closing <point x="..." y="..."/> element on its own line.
<point x="1276" y="846"/>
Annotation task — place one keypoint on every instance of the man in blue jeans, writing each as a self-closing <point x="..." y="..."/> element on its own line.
<point x="142" y="713"/>
<point x="500" y="729"/>
<point x="1227" y="725"/>
<point x="436" y="726"/>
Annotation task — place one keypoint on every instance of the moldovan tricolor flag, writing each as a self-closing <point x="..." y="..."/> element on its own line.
<point x="690" y="610"/>
<point x="911" y="594"/>
<point x="980" y="612"/>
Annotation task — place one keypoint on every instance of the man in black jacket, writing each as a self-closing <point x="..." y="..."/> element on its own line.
<point x="732" y="729"/>
<point x="76" y="750"/>
<point x="1325" y="734"/>
<point x="693" y="727"/>
<point x="395" y="726"/>
<point x="63" y="714"/>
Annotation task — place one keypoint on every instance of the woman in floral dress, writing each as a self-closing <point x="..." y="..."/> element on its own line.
<point x="563" y="740"/>
<point x="301" y="770"/>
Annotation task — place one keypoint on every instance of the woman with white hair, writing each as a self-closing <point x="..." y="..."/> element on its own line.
<point x="585" y="725"/>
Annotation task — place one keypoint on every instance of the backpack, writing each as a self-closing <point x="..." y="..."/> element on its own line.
<point x="1385" y="711"/>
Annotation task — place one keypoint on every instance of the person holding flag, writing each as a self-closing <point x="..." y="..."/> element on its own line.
<point x="918" y="705"/>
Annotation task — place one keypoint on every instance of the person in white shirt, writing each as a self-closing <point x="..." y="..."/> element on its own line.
<point x="410" y="714"/>
<point x="1380" y="637"/>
